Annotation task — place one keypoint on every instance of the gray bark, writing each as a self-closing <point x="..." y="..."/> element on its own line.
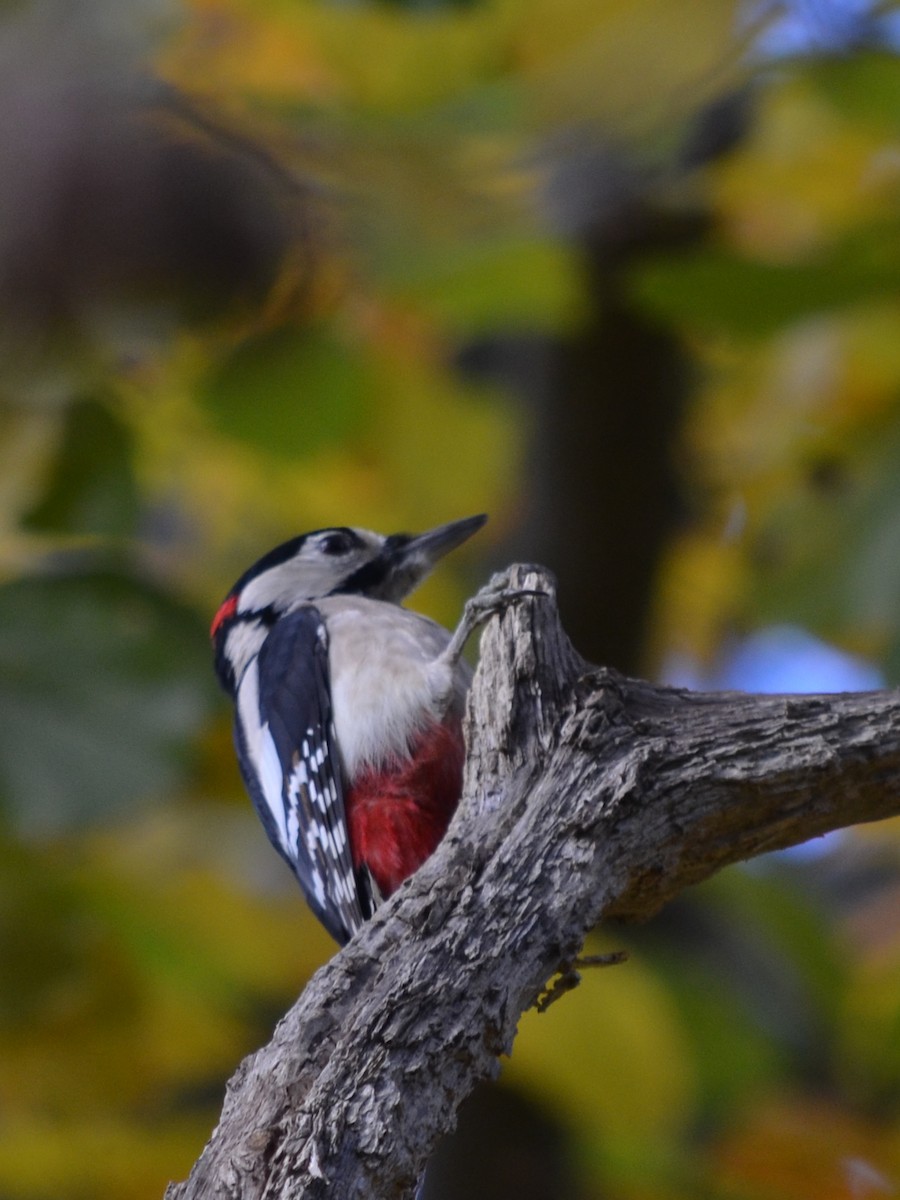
<point x="587" y="795"/>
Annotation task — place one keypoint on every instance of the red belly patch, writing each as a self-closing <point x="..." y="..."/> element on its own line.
<point x="397" y="813"/>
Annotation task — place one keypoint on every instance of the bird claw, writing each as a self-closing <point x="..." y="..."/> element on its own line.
<point x="495" y="597"/>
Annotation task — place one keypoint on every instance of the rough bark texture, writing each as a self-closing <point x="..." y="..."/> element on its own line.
<point x="587" y="794"/>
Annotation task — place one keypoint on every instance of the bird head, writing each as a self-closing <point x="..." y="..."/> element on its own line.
<point x="325" y="562"/>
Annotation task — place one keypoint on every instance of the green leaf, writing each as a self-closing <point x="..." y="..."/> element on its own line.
<point x="91" y="488"/>
<point x="501" y="283"/>
<point x="290" y="392"/>
<point x="103" y="682"/>
<point x="865" y="88"/>
<point x="720" y="292"/>
<point x="827" y="553"/>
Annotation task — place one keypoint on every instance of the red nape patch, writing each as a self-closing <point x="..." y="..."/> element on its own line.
<point x="397" y="814"/>
<point x="226" y="610"/>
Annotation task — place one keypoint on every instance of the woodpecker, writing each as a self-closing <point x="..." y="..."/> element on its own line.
<point x="348" y="709"/>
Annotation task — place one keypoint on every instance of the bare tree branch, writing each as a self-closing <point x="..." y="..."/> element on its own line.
<point x="587" y="794"/>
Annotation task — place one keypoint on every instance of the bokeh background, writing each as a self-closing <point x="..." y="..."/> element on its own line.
<point x="624" y="274"/>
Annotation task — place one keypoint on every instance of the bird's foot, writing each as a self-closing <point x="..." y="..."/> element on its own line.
<point x="495" y="597"/>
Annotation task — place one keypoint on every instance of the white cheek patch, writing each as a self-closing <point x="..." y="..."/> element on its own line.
<point x="308" y="575"/>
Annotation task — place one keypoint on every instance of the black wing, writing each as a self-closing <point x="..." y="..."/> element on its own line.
<point x="287" y="749"/>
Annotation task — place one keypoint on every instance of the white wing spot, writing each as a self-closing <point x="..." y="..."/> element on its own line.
<point x="262" y="751"/>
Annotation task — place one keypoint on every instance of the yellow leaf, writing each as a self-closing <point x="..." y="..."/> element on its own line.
<point x="609" y="1056"/>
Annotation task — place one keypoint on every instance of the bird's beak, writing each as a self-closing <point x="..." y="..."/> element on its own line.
<point x="412" y="556"/>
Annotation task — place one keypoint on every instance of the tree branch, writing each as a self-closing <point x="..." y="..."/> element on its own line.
<point x="587" y="795"/>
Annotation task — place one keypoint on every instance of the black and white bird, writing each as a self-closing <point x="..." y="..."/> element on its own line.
<point x="348" y="709"/>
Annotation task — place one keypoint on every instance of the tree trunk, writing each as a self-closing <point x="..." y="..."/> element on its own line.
<point x="586" y="795"/>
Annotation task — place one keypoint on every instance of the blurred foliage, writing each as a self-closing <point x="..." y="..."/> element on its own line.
<point x="251" y="254"/>
<point x="103" y="688"/>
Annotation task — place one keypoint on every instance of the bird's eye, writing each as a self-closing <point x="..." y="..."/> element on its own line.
<point x="335" y="543"/>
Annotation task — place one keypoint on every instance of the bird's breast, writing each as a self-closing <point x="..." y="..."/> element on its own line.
<point x="389" y="683"/>
<point x="398" y="812"/>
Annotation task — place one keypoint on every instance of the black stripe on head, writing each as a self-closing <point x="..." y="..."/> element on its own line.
<point x="278" y="554"/>
<point x="371" y="577"/>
